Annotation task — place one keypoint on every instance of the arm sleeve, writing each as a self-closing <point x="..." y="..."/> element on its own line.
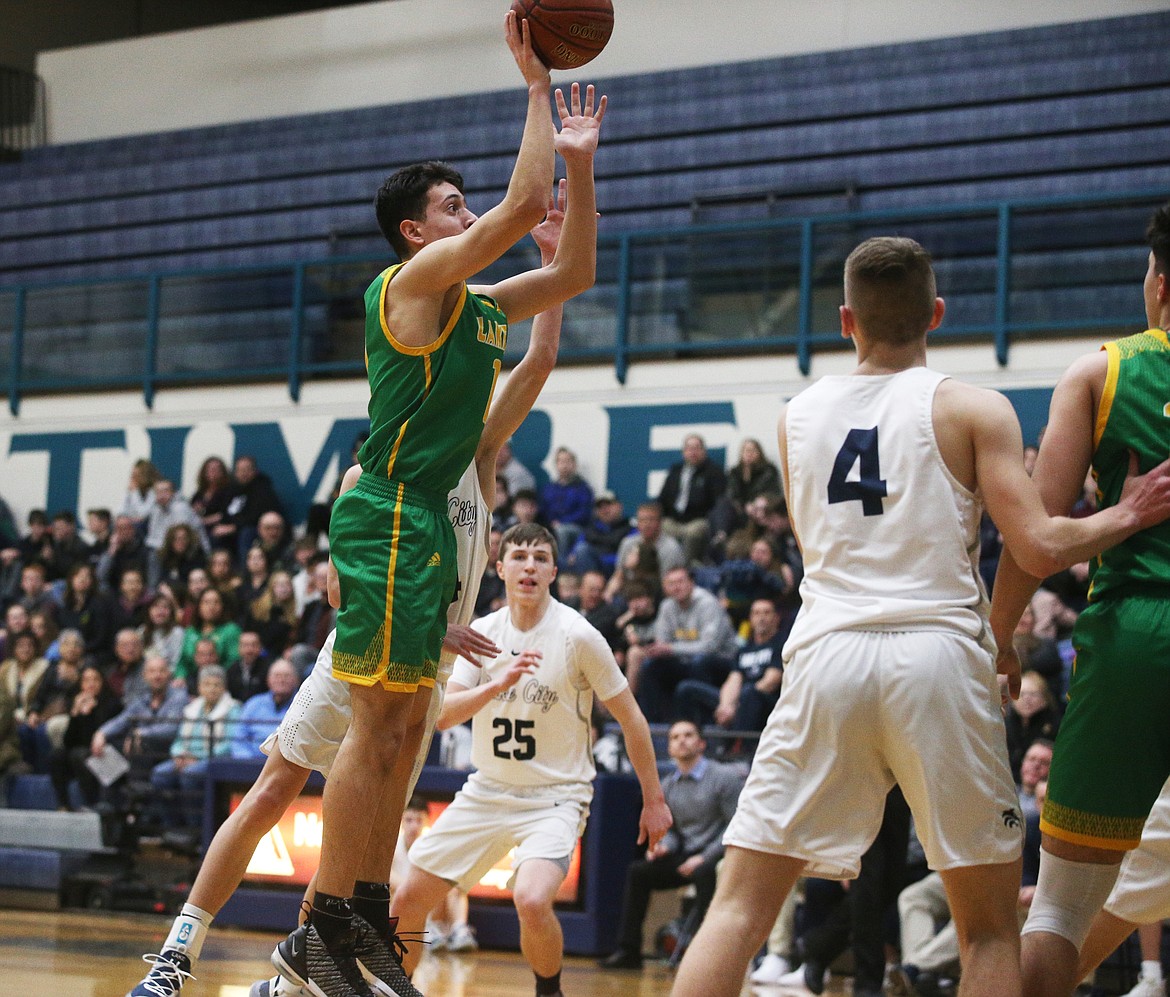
<point x="595" y="662"/>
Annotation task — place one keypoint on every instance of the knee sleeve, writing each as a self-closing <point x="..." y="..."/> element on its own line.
<point x="1068" y="897"/>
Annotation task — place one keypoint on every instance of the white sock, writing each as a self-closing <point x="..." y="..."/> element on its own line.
<point x="1152" y="970"/>
<point x="189" y="931"/>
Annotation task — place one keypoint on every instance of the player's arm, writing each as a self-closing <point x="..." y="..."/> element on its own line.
<point x="574" y="267"/>
<point x="446" y="262"/>
<point x="1066" y="453"/>
<point x="463" y="702"/>
<point x="656" y="819"/>
<point x="1042" y="545"/>
<point x="527" y="379"/>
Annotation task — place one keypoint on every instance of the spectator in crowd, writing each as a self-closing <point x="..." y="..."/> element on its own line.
<point x="22" y="672"/>
<point x="146" y="727"/>
<point x="525" y="508"/>
<point x="688" y="497"/>
<point x="98" y="526"/>
<point x="161" y="634"/>
<point x="10" y="568"/>
<point x="124" y="676"/>
<point x="599" y="613"/>
<point x="9" y="536"/>
<point x="639" y="567"/>
<point x="37" y="543"/>
<point x="315" y="623"/>
<point x="701" y="794"/>
<point x="1031" y="716"/>
<point x="221" y="572"/>
<point x="35" y="594"/>
<point x="636" y="625"/>
<point x="180" y="555"/>
<point x="567" y="589"/>
<point x="491" y="586"/>
<point x="213" y="492"/>
<point x="68" y="549"/>
<point x="501" y="505"/>
<point x="206" y="732"/>
<point x="274" y="538"/>
<point x="48" y="713"/>
<point x="248" y="674"/>
<point x="125" y="552"/>
<point x="650" y="533"/>
<point x="84" y="607"/>
<point x="597" y="548"/>
<point x="751" y="689"/>
<point x="693" y="638"/>
<point x="43" y="624"/>
<point x="518" y="477"/>
<point x="140" y="497"/>
<point x="273" y="614"/>
<point x="129" y="606"/>
<point x="212" y="622"/>
<point x="16" y="621"/>
<point x="566" y="502"/>
<point x="252" y="496"/>
<point x="93" y="705"/>
<point x="171" y="509"/>
<point x="186" y="596"/>
<point x="758" y="576"/>
<point x="753" y="476"/>
<point x="1039" y="654"/>
<point x="1054" y="619"/>
<point x="11" y="761"/>
<point x="261" y="713"/>
<point x="257" y="569"/>
<point x="305" y="555"/>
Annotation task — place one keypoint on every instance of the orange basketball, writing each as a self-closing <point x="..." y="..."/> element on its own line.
<point x="567" y="33"/>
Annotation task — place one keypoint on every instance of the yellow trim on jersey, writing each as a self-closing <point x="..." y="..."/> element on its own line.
<point x="416" y="351"/>
<point x="1091" y="840"/>
<point x="1159" y="334"/>
<point x="427" y="373"/>
<point x="1112" y="372"/>
<point x="394" y="451"/>
<point x="389" y="617"/>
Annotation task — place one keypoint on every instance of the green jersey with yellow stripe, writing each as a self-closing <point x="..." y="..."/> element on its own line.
<point x="1134" y="415"/>
<point x="428" y="404"/>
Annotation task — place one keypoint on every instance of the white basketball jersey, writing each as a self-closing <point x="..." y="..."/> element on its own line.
<point x="890" y="538"/>
<point x="537" y="732"/>
<point x="471" y="519"/>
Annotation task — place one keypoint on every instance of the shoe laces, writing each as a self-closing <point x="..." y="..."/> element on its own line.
<point x="163" y="970"/>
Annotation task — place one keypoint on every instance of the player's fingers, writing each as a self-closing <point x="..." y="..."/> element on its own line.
<point x="562" y="107"/>
<point x="601" y="106"/>
<point x="562" y="194"/>
<point x="589" y="101"/>
<point x="575" y="97"/>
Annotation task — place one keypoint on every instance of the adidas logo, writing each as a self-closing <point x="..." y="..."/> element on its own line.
<point x="435" y="560"/>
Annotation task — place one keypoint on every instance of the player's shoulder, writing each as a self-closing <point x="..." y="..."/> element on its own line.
<point x="493" y="622"/>
<point x="970" y="403"/>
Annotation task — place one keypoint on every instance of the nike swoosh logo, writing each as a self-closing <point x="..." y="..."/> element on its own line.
<point x="515" y="654"/>
<point x="293" y="945"/>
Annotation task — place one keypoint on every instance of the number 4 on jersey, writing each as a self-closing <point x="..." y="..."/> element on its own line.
<point x="869" y="489"/>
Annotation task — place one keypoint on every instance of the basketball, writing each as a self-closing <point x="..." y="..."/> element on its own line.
<point x="567" y="33"/>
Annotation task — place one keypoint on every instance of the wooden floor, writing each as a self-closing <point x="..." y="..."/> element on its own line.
<point x="84" y="954"/>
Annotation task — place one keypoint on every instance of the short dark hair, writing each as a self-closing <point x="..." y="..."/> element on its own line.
<point x="38" y="518"/>
<point x="404" y="195"/>
<point x="65" y="516"/>
<point x="1158" y="236"/>
<point x="890" y="288"/>
<point x="527" y="534"/>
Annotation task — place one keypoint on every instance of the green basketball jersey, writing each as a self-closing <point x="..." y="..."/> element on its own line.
<point x="428" y="404"/>
<point x="1134" y="415"/>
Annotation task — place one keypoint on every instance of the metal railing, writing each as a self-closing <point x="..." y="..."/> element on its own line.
<point x="1009" y="271"/>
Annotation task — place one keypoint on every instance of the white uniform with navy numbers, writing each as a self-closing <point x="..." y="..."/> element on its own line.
<point x="890" y="667"/>
<point x="316" y="721"/>
<point x="531" y="748"/>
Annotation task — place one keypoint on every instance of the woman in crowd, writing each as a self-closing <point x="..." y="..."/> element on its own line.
<point x="753" y="476"/>
<point x="140" y="493"/>
<point x="273" y="614"/>
<point x="221" y="572"/>
<point x="43" y="624"/>
<point x="48" y="712"/>
<point x="174" y="560"/>
<point x="1033" y="715"/>
<point x="132" y="601"/>
<point x="257" y="568"/>
<point x="93" y="704"/>
<point x="87" y="609"/>
<point x="213" y="492"/>
<point x="161" y="634"/>
<point x="212" y="622"/>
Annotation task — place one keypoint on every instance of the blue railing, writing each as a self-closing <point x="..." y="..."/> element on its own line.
<point x="1009" y="270"/>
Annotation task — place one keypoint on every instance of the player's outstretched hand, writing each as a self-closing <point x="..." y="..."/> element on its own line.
<point x="517" y="34"/>
<point x="469" y="644"/>
<point x="1147" y="495"/>
<point x="655" y="821"/>
<point x="547" y="235"/>
<point x="522" y="664"/>
<point x="1007" y="664"/>
<point x="580" y="126"/>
